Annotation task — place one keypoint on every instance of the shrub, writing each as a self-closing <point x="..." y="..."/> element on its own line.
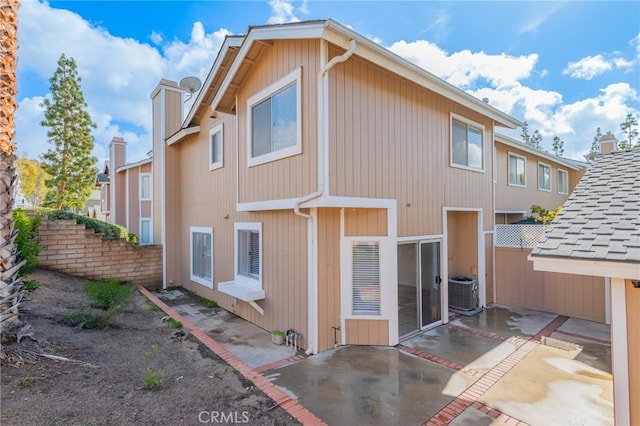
<point x="30" y="285"/>
<point x="27" y="240"/>
<point x="108" y="230"/>
<point x="88" y="318"/>
<point x="107" y="294"/>
<point x="174" y="324"/>
<point x="152" y="378"/>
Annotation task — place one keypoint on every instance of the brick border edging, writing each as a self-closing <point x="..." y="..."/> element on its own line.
<point x="280" y="363"/>
<point x="469" y="398"/>
<point x="293" y="407"/>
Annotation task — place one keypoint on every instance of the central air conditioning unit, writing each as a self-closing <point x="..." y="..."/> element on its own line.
<point x="463" y="293"/>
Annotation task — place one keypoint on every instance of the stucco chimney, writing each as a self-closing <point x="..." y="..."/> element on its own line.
<point x="608" y="143"/>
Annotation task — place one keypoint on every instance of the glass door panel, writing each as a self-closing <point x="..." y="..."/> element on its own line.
<point x="430" y="283"/>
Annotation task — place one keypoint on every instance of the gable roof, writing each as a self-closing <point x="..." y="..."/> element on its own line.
<point x="259" y="37"/>
<point x="601" y="219"/>
<point x="571" y="164"/>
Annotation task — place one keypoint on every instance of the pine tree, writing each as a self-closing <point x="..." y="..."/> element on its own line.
<point x="536" y="140"/>
<point x="595" y="145"/>
<point x="69" y="163"/>
<point x="629" y="127"/>
<point x="558" y="146"/>
<point x="525" y="133"/>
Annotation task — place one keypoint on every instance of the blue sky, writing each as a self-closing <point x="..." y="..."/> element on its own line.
<point x="566" y="67"/>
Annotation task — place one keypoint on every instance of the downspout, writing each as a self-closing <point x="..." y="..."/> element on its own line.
<point x="323" y="144"/>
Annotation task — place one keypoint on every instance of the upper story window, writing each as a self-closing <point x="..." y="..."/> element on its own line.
<point x="563" y="182"/>
<point x="248" y="255"/>
<point x="215" y="147"/>
<point x="274" y="121"/>
<point x="145" y="186"/>
<point x="517" y="170"/>
<point x="544" y="177"/>
<point x="466" y="144"/>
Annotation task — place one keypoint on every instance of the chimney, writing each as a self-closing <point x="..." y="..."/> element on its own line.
<point x="117" y="155"/>
<point x="608" y="143"/>
<point x="117" y="159"/>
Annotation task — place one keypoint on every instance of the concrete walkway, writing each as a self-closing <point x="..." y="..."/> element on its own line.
<point x="502" y="366"/>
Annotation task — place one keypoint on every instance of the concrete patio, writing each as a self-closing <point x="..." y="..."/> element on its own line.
<point x="502" y="366"/>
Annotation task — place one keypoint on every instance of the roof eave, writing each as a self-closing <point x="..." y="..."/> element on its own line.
<point x="505" y="140"/>
<point x="585" y="266"/>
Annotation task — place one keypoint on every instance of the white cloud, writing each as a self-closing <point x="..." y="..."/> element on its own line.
<point x="465" y="68"/>
<point x="588" y="67"/>
<point x="539" y="17"/>
<point x="282" y="12"/>
<point x="116" y="83"/>
<point x="156" y="37"/>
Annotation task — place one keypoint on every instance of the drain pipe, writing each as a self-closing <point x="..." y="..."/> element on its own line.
<point x="323" y="145"/>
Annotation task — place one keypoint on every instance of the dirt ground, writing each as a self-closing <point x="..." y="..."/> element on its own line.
<point x="105" y="386"/>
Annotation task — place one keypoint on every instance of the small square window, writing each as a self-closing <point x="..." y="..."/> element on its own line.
<point x="544" y="177"/>
<point x="215" y="147"/>
<point x="467" y="147"/>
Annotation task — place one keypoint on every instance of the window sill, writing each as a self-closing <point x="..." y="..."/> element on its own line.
<point x="242" y="292"/>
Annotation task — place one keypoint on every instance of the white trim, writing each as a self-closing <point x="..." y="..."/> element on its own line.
<point x="566" y="173"/>
<point x="489" y="232"/>
<point x="132" y="165"/>
<point x="540" y="163"/>
<point x="607" y="300"/>
<point x="312" y="282"/>
<point x="126" y="201"/>
<point x="593" y="267"/>
<point x="619" y="352"/>
<point x="509" y="154"/>
<point x="181" y="134"/>
<point x="505" y="140"/>
<point x="324" y="201"/>
<point x="294" y="77"/>
<point x="468" y="122"/>
<point x="220" y="163"/>
<point x="164" y="86"/>
<point x="522" y="212"/>
<point x="253" y="283"/>
<point x="163" y="187"/>
<point x="420" y="238"/>
<point x="257" y="206"/>
<point x="112" y="182"/>
<point x="196" y="278"/>
<point x="140" y="176"/>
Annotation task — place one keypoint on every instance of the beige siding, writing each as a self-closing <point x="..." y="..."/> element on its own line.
<point x="293" y="176"/>
<point x="565" y="294"/>
<point x="328" y="278"/>
<point x="158" y="146"/>
<point x="389" y="138"/>
<point x="511" y="198"/>
<point x="488" y="260"/>
<point x="145" y="208"/>
<point x="365" y="222"/>
<point x="633" y="347"/>
<point x="121" y="199"/>
<point x="367" y="332"/>
<point x="173" y="117"/>
<point x="463" y="244"/>
<point x="284" y="235"/>
<point x="145" y="168"/>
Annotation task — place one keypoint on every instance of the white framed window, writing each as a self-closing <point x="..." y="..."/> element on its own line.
<point x="201" y="255"/>
<point x="517" y="170"/>
<point x="145" y="232"/>
<point x="563" y="181"/>
<point x="274" y="121"/>
<point x="216" y="147"/>
<point x="365" y="278"/>
<point x="145" y="186"/>
<point x="544" y="177"/>
<point x="248" y="254"/>
<point x="467" y="144"/>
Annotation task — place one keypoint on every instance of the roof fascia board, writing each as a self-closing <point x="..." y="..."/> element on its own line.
<point x="289" y="31"/>
<point x="593" y="267"/>
<point x="181" y="134"/>
<point x="229" y="42"/>
<point x="132" y="165"/>
<point x="340" y="35"/>
<point x="505" y="140"/>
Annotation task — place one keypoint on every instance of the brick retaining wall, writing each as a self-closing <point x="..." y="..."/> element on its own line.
<point x="70" y="248"/>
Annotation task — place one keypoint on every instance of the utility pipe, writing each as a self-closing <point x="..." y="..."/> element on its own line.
<point x="323" y="143"/>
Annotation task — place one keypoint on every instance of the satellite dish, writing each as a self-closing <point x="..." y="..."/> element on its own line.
<point x="191" y="85"/>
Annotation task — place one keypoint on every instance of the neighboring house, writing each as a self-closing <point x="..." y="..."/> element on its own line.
<point x="93" y="206"/>
<point x="598" y="233"/>
<point x="126" y="193"/>
<point x="324" y="184"/>
<point x="527" y="176"/>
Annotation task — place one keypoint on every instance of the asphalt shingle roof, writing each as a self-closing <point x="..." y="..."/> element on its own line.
<point x="601" y="218"/>
<point x="102" y="178"/>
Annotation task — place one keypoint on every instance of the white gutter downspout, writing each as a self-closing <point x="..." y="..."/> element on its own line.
<point x="323" y="178"/>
